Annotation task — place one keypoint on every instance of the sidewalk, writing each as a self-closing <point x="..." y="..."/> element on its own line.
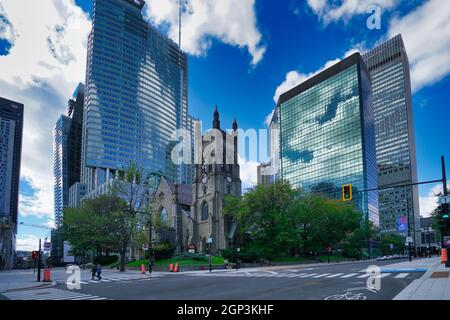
<point x="20" y="280"/>
<point x="26" y="279"/>
<point x="426" y="288"/>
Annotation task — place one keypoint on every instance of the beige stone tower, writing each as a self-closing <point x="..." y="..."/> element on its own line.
<point x="216" y="175"/>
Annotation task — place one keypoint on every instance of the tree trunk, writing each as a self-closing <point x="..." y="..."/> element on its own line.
<point x="123" y="253"/>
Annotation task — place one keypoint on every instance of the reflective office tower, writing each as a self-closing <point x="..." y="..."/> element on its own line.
<point x="136" y="96"/>
<point x="394" y="126"/>
<point x="61" y="166"/>
<point x="67" y="138"/>
<point x="327" y="134"/>
<point x="11" y="127"/>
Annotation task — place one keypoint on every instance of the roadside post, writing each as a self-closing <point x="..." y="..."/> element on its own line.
<point x="209" y="246"/>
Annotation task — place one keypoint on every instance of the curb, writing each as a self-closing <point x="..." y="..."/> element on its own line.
<point x="410" y="290"/>
<point x="42" y="286"/>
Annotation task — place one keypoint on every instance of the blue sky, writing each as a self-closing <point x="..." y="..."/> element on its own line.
<point x="291" y="36"/>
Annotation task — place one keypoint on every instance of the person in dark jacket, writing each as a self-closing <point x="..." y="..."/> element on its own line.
<point x="99" y="271"/>
<point x="93" y="271"/>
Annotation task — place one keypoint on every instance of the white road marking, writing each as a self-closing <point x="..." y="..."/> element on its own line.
<point x="401" y="276"/>
<point x="349" y="275"/>
<point x="335" y="275"/>
<point x="322" y="275"/>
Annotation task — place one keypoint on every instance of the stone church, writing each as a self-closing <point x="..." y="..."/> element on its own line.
<point x="195" y="218"/>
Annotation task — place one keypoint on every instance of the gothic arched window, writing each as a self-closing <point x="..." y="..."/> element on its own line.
<point x="163" y="215"/>
<point x="205" y="211"/>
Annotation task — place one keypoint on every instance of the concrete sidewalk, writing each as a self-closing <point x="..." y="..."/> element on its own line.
<point x="21" y="280"/>
<point x="426" y="288"/>
<point x="26" y="279"/>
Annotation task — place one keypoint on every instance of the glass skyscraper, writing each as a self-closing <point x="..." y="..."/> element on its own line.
<point x="61" y="166"/>
<point x="327" y="134"/>
<point x="67" y="152"/>
<point x="11" y="129"/>
<point x="136" y="96"/>
<point x="394" y="125"/>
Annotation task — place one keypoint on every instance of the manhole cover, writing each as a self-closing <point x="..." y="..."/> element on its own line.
<point x="440" y="275"/>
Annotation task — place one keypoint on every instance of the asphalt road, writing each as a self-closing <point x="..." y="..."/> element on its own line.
<point x="345" y="282"/>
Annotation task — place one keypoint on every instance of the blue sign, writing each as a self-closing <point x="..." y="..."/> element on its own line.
<point x="402" y="224"/>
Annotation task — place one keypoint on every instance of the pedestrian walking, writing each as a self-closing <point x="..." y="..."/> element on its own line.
<point x="99" y="272"/>
<point x="93" y="271"/>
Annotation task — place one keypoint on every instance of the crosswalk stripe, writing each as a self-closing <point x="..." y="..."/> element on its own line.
<point x="365" y="275"/>
<point x="401" y="276"/>
<point x="55" y="295"/>
<point x="349" y="275"/>
<point x="322" y="275"/>
<point x="383" y="275"/>
<point x="309" y="275"/>
<point x="335" y="275"/>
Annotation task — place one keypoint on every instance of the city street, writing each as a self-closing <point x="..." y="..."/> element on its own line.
<point x="332" y="282"/>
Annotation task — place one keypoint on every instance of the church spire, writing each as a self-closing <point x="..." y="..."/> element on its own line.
<point x="235" y="125"/>
<point x="216" y="122"/>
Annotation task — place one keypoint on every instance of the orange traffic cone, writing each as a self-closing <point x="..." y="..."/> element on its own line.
<point x="47" y="275"/>
<point x="176" y="268"/>
<point x="171" y="267"/>
<point x="142" y="268"/>
<point x="444" y="256"/>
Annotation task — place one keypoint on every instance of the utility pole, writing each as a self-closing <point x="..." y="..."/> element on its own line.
<point x="39" y="263"/>
<point x="445" y="190"/>
<point x="444" y="177"/>
<point x="150" y="246"/>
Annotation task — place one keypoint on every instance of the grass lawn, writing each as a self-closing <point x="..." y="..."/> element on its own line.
<point x="182" y="263"/>
<point x="332" y="258"/>
<point x="293" y="260"/>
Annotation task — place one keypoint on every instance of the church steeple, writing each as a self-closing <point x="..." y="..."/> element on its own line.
<point x="235" y="125"/>
<point x="216" y="122"/>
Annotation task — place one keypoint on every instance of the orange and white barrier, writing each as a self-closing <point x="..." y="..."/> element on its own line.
<point x="47" y="275"/>
<point x="444" y="256"/>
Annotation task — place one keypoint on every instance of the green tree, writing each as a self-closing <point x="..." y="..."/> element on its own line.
<point x="264" y="215"/>
<point x="279" y="220"/>
<point x="92" y="228"/>
<point x="324" y="222"/>
<point x="392" y="243"/>
<point x="358" y="242"/>
<point x="133" y="189"/>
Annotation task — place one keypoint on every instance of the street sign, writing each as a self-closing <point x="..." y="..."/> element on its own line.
<point x="145" y="247"/>
<point x="444" y="199"/>
<point x="48" y="246"/>
<point x="409" y="240"/>
<point x="209" y="240"/>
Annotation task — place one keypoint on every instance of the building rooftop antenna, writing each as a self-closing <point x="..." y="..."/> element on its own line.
<point x="180" y="11"/>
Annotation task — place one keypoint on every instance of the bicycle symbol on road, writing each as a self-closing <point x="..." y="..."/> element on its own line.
<point x="347" y="296"/>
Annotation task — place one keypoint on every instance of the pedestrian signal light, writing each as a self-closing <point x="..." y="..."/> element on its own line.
<point x="347" y="192"/>
<point x="34" y="255"/>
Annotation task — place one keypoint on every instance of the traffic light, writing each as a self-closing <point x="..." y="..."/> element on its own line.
<point x="34" y="255"/>
<point x="444" y="218"/>
<point x="347" y="192"/>
<point x="445" y="211"/>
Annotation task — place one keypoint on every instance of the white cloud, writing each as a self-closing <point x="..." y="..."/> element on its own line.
<point x="426" y="33"/>
<point x="27" y="243"/>
<point x="42" y="69"/>
<point x="429" y="202"/>
<point x="231" y="21"/>
<point x="248" y="173"/>
<point x="331" y="11"/>
<point x="294" y="78"/>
